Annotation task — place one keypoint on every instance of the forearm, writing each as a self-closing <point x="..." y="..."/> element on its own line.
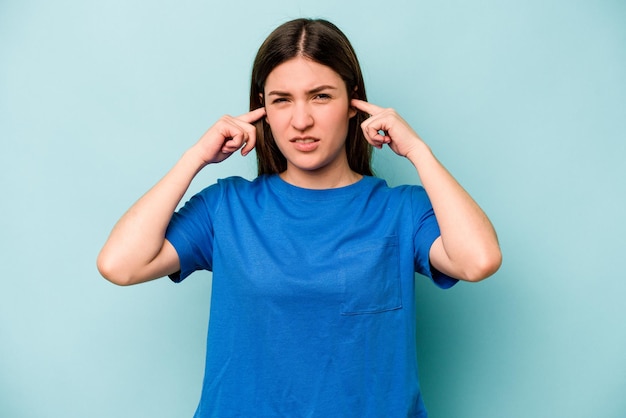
<point x="136" y="250"/>
<point x="468" y="248"/>
<point x="469" y="242"/>
<point x="139" y="236"/>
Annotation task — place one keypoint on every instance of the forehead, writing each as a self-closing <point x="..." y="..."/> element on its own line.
<point x="301" y="74"/>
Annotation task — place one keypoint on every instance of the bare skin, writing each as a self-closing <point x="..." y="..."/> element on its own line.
<point x="308" y="109"/>
<point x="468" y="247"/>
<point x="137" y="251"/>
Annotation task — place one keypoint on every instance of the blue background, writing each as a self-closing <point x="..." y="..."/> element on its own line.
<point x="523" y="101"/>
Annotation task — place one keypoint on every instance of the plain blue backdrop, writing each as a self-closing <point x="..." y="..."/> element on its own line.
<point x="523" y="101"/>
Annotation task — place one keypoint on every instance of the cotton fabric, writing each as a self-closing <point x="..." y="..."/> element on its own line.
<point x="312" y="310"/>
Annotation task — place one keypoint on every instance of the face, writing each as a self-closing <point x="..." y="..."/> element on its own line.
<point x="307" y="107"/>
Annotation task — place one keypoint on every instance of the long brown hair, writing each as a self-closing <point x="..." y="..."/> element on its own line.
<point x="322" y="42"/>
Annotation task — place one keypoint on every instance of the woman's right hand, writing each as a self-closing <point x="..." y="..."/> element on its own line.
<point x="228" y="135"/>
<point x="136" y="250"/>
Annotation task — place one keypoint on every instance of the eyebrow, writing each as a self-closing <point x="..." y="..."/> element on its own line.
<point x="312" y="91"/>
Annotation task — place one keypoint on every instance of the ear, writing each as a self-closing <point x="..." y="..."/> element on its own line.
<point x="262" y="102"/>
<point x="352" y="111"/>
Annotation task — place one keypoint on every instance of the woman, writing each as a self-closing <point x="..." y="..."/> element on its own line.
<point x="312" y="310"/>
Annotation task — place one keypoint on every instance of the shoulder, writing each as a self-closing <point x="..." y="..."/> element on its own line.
<point x="223" y="185"/>
<point x="410" y="199"/>
<point x="243" y="188"/>
<point x="234" y="181"/>
<point x="412" y="191"/>
<point x="238" y="182"/>
<point x="237" y="191"/>
<point x="212" y="196"/>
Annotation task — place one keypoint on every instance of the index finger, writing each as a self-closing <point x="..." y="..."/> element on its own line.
<point x="366" y="107"/>
<point x="252" y="116"/>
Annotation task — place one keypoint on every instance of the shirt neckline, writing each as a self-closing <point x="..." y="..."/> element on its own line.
<point x="280" y="186"/>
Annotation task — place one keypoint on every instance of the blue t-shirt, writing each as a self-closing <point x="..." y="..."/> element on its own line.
<point x="312" y="309"/>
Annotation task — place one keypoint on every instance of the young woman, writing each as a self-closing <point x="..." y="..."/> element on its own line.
<point x="313" y="262"/>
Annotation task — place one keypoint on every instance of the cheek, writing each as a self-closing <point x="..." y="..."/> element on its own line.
<point x="272" y="117"/>
<point x="273" y="122"/>
<point x="338" y="117"/>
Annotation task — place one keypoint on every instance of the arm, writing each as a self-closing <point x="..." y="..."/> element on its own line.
<point x="468" y="247"/>
<point x="136" y="250"/>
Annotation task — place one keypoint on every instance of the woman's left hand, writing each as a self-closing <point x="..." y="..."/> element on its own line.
<point x="385" y="126"/>
<point x="468" y="248"/>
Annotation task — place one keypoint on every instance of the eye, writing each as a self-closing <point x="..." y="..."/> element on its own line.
<point x="322" y="97"/>
<point x="279" y="100"/>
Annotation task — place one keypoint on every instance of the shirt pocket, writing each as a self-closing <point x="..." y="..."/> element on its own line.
<point x="370" y="277"/>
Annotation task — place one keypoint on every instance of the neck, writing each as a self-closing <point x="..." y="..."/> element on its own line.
<point x="320" y="179"/>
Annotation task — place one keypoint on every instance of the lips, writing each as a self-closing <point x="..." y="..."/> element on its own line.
<point x="305" y="144"/>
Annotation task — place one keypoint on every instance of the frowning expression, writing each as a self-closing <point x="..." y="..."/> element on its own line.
<point x="308" y="111"/>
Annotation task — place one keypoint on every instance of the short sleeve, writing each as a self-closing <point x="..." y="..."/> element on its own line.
<point x="425" y="233"/>
<point x="191" y="232"/>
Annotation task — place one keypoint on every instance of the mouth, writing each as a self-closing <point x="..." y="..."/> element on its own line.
<point x="303" y="140"/>
<point x="305" y="144"/>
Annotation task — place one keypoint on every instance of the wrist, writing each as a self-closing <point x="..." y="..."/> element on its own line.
<point x="418" y="152"/>
<point x="193" y="158"/>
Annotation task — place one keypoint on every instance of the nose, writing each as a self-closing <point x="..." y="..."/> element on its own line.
<point x="301" y="118"/>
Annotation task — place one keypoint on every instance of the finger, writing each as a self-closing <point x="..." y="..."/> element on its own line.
<point x="250" y="141"/>
<point x="237" y="133"/>
<point x="365" y="106"/>
<point x="252" y="116"/>
<point x="230" y="146"/>
<point x="375" y="127"/>
<point x="234" y="134"/>
<point x="375" y="139"/>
